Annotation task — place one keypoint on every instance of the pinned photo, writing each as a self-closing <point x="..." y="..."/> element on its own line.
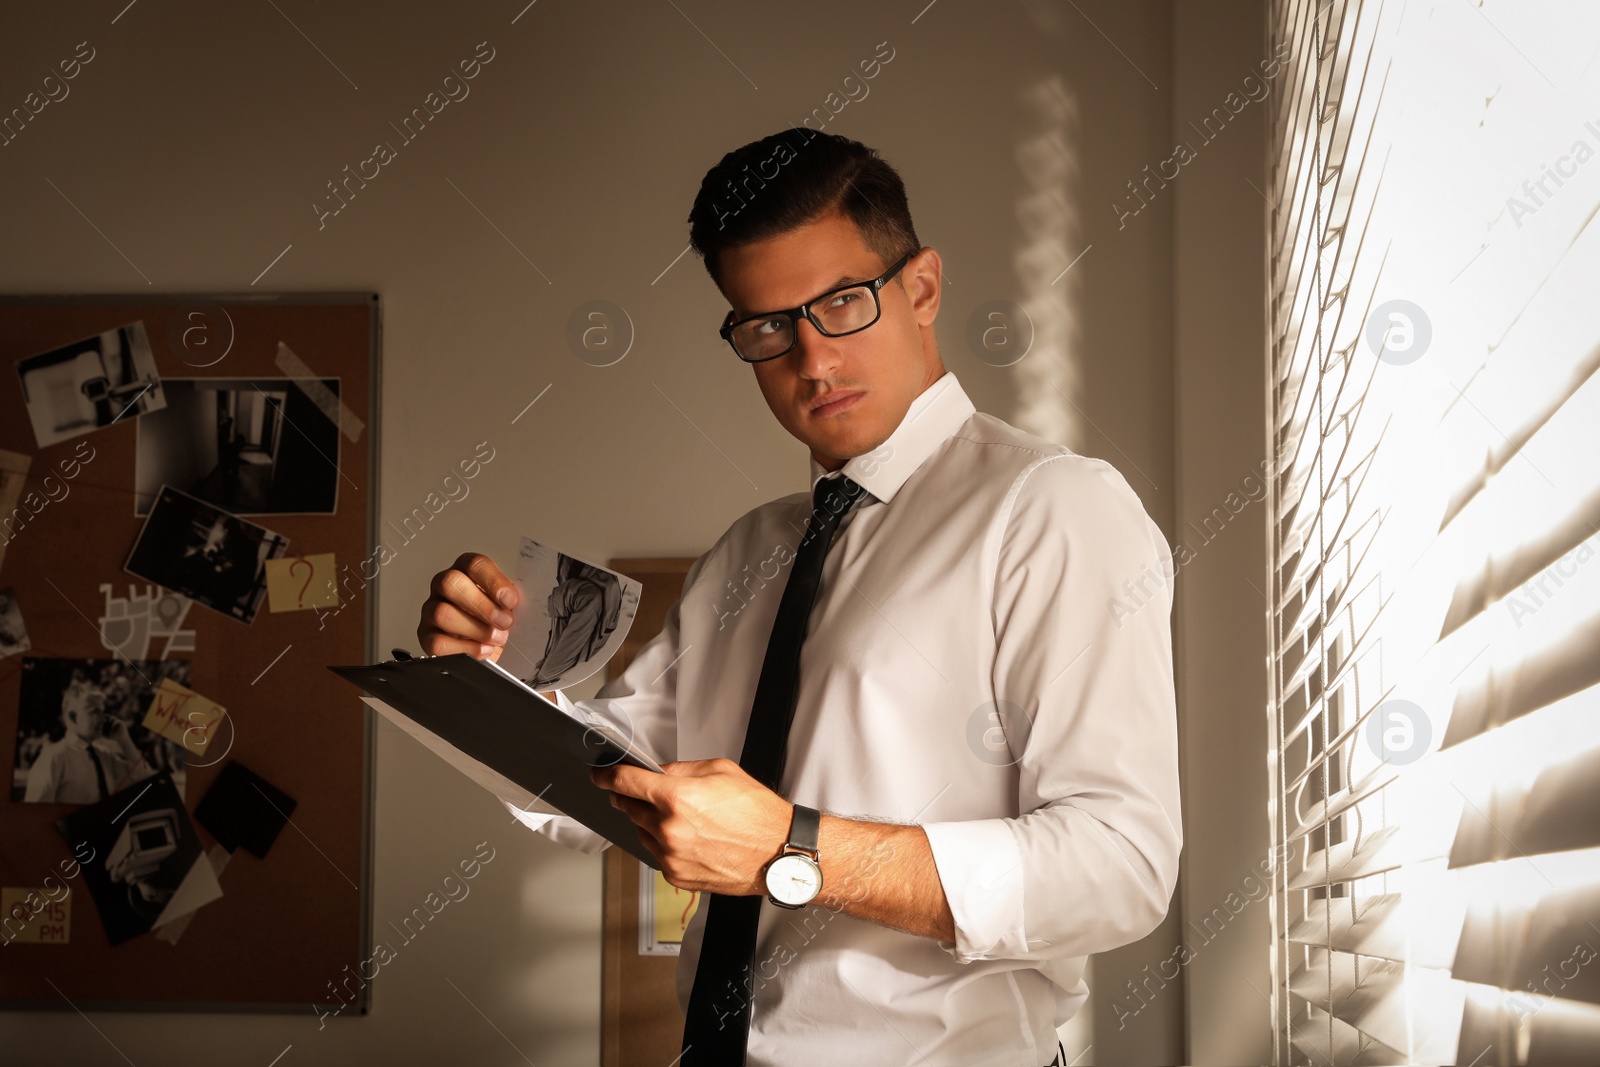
<point x="206" y="554"/>
<point x="250" y="446"/>
<point x="572" y="617"/>
<point x="243" y="809"/>
<point x="90" y="384"/>
<point x="144" y="872"/>
<point x="80" y="729"/>
<point x="13" y="476"/>
<point x="13" y="631"/>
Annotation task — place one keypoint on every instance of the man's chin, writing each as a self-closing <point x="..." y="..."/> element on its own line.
<point x="837" y="453"/>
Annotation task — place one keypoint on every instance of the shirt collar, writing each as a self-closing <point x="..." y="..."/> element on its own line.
<point x="934" y="416"/>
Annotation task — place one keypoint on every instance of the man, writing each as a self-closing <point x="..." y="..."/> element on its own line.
<point x="87" y="764"/>
<point x="993" y="750"/>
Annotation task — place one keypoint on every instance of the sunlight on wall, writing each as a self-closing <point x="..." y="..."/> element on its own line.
<point x="1052" y="235"/>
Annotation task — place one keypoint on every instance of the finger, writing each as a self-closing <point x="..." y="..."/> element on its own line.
<point x="642" y="815"/>
<point x="435" y="643"/>
<point x="452" y="621"/>
<point x="490" y="578"/>
<point x="634" y="782"/>
<point x="700" y="768"/>
<point x="653" y="846"/>
<point x="458" y="588"/>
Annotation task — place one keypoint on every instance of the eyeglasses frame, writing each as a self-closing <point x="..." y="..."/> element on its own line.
<point x="804" y="310"/>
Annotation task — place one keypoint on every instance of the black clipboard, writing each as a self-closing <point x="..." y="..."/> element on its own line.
<point x="481" y="711"/>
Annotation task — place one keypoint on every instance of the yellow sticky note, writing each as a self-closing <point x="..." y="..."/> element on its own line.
<point x="32" y="917"/>
<point x="674" y="908"/>
<point x="299" y="583"/>
<point x="182" y="715"/>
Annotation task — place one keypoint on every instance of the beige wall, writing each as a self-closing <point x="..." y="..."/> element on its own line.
<point x="1219" y="267"/>
<point x="199" y="137"/>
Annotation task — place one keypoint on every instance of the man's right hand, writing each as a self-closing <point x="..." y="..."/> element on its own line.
<point x="469" y="611"/>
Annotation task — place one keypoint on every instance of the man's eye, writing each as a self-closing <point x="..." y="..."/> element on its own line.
<point x="844" y="299"/>
<point x="771" y="326"/>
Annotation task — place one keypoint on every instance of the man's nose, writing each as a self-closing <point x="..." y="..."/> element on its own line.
<point x="816" y="352"/>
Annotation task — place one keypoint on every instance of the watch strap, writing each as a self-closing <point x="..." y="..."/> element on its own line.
<point x="803" y="828"/>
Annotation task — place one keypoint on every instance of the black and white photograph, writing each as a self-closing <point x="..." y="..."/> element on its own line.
<point x="209" y="555"/>
<point x="13" y="478"/>
<point x="572" y="617"/>
<point x="251" y="446"/>
<point x="13" y="631"/>
<point x="80" y="732"/>
<point x="143" y="871"/>
<point x="90" y="384"/>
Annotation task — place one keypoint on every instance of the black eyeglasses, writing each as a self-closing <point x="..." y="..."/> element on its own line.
<point x="845" y="310"/>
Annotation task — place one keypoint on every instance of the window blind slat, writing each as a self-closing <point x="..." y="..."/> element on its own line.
<point x="1558" y="813"/>
<point x="1382" y="851"/>
<point x="1321" y="1038"/>
<point x="1342" y="801"/>
<point x="1500" y="576"/>
<point x="1501" y="694"/>
<point x="1379" y="926"/>
<point x="1545" y="949"/>
<point x="1496" y="460"/>
<point x="1371" y="995"/>
<point x="1526" y="1029"/>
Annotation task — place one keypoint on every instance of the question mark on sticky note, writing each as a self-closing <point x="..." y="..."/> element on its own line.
<point x="300" y="597"/>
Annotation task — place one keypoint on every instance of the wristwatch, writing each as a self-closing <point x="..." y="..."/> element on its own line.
<point x="794" y="876"/>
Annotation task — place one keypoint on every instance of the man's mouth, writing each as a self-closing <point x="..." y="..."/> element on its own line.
<point x="835" y="402"/>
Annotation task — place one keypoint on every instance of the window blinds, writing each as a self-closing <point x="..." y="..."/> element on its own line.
<point x="1434" y="379"/>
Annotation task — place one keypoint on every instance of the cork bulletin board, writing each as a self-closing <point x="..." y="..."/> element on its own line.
<point x="186" y="509"/>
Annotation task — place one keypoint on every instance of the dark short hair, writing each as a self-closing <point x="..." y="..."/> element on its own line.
<point x="792" y="178"/>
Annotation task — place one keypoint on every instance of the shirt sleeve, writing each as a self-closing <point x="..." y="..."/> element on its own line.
<point x="44" y="777"/>
<point x="1083" y="682"/>
<point x="641" y="703"/>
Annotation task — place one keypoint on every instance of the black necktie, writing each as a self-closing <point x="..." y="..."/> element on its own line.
<point x="717" y="1026"/>
<point x="99" y="771"/>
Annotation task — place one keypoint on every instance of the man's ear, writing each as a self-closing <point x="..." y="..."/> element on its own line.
<point x="923" y="287"/>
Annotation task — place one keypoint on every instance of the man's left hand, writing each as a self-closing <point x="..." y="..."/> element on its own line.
<point x="709" y="825"/>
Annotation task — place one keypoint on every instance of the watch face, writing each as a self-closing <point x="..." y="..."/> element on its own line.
<point x="794" y="879"/>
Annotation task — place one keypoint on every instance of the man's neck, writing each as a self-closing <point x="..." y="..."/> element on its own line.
<point x="935" y="373"/>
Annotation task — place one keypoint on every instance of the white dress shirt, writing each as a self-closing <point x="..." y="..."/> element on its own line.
<point x="64" y="772"/>
<point x="985" y="570"/>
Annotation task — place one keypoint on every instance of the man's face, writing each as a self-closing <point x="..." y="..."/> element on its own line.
<point x="842" y="396"/>
<point x="84" y="711"/>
